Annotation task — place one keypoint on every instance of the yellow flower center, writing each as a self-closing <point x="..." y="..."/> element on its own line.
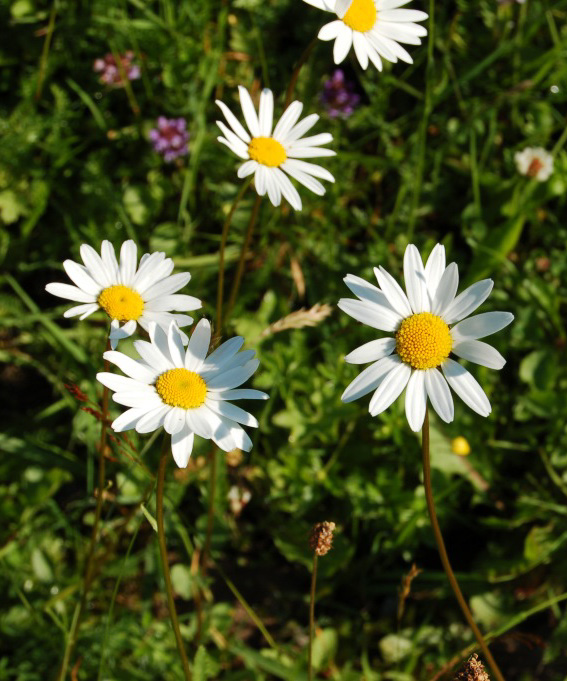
<point x="121" y="302"/>
<point x="423" y="341"/>
<point x="181" y="388"/>
<point x="267" y="151"/>
<point x="361" y="15"/>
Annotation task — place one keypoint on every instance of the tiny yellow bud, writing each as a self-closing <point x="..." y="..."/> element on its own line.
<point x="460" y="446"/>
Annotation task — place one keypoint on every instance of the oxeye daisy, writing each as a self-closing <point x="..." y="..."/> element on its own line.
<point x="273" y="154"/>
<point x="129" y="293"/>
<point x="374" y="27"/>
<point x="534" y="162"/>
<point x="429" y="323"/>
<point x="183" y="390"/>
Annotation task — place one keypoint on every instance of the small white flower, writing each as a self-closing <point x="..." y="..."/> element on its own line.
<point x="129" y="293"/>
<point x="374" y="27"/>
<point x="534" y="162"/>
<point x="270" y="154"/>
<point x="422" y="321"/>
<point x="238" y="498"/>
<point x="183" y="390"/>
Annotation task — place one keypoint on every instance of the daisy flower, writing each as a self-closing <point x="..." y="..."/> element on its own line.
<point x="129" y="293"/>
<point x="183" y="390"/>
<point x="424" y="322"/>
<point x="534" y="162"/>
<point x="270" y="154"/>
<point x="375" y="28"/>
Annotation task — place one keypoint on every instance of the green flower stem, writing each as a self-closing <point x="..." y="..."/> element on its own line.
<point x="224" y="237"/>
<point x="295" y="75"/>
<point x="164" y="457"/>
<point x="211" y="509"/>
<point x="312" y="619"/>
<point x="89" y="567"/>
<point x="242" y="259"/>
<point x="443" y="552"/>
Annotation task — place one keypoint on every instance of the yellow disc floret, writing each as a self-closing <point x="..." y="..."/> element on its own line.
<point x="121" y="302"/>
<point x="181" y="388"/>
<point x="423" y="341"/>
<point x="361" y="15"/>
<point x="267" y="151"/>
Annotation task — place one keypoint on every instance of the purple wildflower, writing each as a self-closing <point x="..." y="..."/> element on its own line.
<point x="110" y="73"/>
<point x="170" y="138"/>
<point x="338" y="96"/>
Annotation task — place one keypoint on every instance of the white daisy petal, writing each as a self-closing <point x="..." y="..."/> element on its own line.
<point x="376" y="316"/>
<point x="247" y="168"/>
<point x="93" y="262"/>
<point x="238" y="360"/>
<point x="153" y="419"/>
<point x="311" y="169"/>
<point x="416" y="400"/>
<point x="309" y="152"/>
<point x="128" y="420"/>
<point x="182" y="446"/>
<point x="313" y="141"/>
<point x="119" y="383"/>
<point x="249" y="111"/>
<point x="301" y="128"/>
<point x="402" y="15"/>
<point x="467" y="301"/>
<point x="402" y="33"/>
<point x="235" y="143"/>
<point x="359" y="42"/>
<point x="341" y="7"/>
<point x="481" y="325"/>
<point x="238" y="150"/>
<point x="390" y="4"/>
<point x="232" y="412"/>
<point x="239" y="394"/>
<point x="152" y="356"/>
<point x="133" y="368"/>
<point x="480" y="353"/>
<point x="241" y="438"/>
<point x="198" y="422"/>
<point x="374" y="57"/>
<point x="466" y="387"/>
<point x="158" y="336"/>
<point x="137" y="398"/>
<point x="289" y="192"/>
<point x="343" y="43"/>
<point x="109" y="261"/>
<point x="390" y="388"/>
<point x="234" y="377"/>
<point x="70" y="293"/>
<point x="439" y="394"/>
<point x="223" y="354"/>
<point x="81" y="277"/>
<point x="393" y="291"/>
<point x="198" y="346"/>
<point x="380" y="44"/>
<point x="174" y="420"/>
<point x="118" y="333"/>
<point x="414" y="276"/>
<point x="273" y="188"/>
<point x="372" y="351"/>
<point x="83" y="310"/>
<point x="331" y="30"/>
<point x="167" y="286"/>
<point x="261" y="180"/>
<point x="174" y="301"/>
<point x="128" y="261"/>
<point x="446" y="290"/>
<point x="434" y="268"/>
<point x="306" y="180"/>
<point x="234" y="123"/>
<point x="175" y="345"/>
<point x="266" y="112"/>
<point x="369" y="379"/>
<point x="289" y="118"/>
<point x="366" y="291"/>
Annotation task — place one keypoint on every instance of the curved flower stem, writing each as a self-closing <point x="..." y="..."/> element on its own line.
<point x="243" y="254"/>
<point x="89" y="566"/>
<point x="443" y="552"/>
<point x="295" y="75"/>
<point x="224" y="237"/>
<point x="164" y="456"/>
<point x="211" y="510"/>
<point x="312" y="618"/>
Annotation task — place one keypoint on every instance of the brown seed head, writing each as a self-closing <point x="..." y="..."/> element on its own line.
<point x="472" y="670"/>
<point x="321" y="538"/>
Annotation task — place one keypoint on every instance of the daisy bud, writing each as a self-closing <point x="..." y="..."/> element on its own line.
<point x="321" y="537"/>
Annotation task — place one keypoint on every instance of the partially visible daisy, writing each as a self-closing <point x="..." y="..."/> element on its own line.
<point x="185" y="391"/>
<point x="270" y="154"/>
<point x="534" y="162"/>
<point x="374" y="27"/>
<point x="129" y="293"/>
<point x="424" y="323"/>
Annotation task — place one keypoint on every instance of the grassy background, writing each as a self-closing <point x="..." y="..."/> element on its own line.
<point x="427" y="157"/>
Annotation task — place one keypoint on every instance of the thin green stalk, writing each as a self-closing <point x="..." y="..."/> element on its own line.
<point x="312" y="618"/>
<point x="89" y="569"/>
<point x="427" y="106"/>
<point x="295" y="75"/>
<point x="242" y="259"/>
<point x="45" y="51"/>
<point x="224" y="237"/>
<point x="211" y="509"/>
<point x="164" y="457"/>
<point x="443" y="552"/>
